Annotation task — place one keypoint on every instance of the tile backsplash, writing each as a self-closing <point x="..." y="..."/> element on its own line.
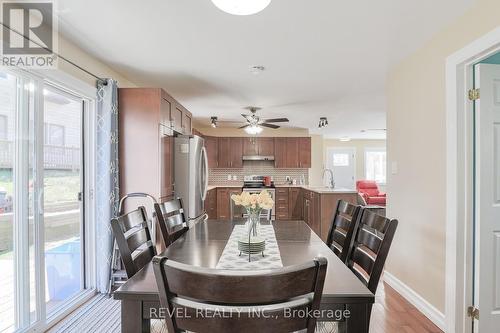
<point x="261" y="168"/>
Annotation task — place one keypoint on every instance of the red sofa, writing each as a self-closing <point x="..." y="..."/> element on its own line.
<point x="368" y="189"/>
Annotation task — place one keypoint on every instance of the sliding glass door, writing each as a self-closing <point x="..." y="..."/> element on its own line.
<point x="42" y="230"/>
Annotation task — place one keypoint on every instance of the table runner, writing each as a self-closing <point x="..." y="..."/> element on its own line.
<point x="231" y="260"/>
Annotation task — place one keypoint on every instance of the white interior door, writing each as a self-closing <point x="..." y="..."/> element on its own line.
<point x="487" y="222"/>
<point x="343" y="163"/>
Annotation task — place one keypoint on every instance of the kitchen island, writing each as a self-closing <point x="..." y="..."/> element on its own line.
<point x="314" y="205"/>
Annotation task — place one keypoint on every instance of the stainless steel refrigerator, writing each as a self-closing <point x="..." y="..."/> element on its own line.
<point x="191" y="175"/>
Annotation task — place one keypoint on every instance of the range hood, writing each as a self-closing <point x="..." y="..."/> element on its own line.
<point x="258" y="158"/>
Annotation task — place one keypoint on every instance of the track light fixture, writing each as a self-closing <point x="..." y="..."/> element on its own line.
<point x="323" y="122"/>
<point x="213" y="122"/>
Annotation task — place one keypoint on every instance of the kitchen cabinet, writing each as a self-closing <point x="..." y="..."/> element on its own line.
<point x="167" y="168"/>
<point x="282" y="203"/>
<point x="250" y="146"/>
<point x="266" y="146"/>
<point x="223" y="208"/>
<point x="280" y="152"/>
<point x="304" y="158"/>
<point x="292" y="153"/>
<point x="310" y="210"/>
<point x="255" y="146"/>
<point x="211" y="204"/>
<point x="224" y="202"/>
<point x="295" y="203"/>
<point x="176" y="118"/>
<point x="211" y="144"/>
<point x="230" y="152"/>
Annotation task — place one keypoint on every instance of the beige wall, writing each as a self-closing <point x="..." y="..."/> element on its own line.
<point x="416" y="141"/>
<point x="360" y="146"/>
<point x="72" y="52"/>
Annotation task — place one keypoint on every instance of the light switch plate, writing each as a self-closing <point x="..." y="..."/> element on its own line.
<point x="228" y="177"/>
<point x="235" y="177"/>
<point x="394" y="167"/>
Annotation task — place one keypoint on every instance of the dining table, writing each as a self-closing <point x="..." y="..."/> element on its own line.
<point x="345" y="298"/>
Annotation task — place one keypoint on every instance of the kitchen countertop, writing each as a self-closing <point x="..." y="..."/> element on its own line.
<point x="317" y="189"/>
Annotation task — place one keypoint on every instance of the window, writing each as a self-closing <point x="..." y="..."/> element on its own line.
<point x="340" y="159"/>
<point x="3" y="127"/>
<point x="54" y="135"/>
<point x="375" y="164"/>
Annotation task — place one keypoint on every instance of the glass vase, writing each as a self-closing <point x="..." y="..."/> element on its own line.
<point x="253" y="222"/>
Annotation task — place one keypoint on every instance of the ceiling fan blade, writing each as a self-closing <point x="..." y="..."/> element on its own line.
<point x="246" y="116"/>
<point x="244" y="126"/>
<point x="269" y="125"/>
<point x="277" y="120"/>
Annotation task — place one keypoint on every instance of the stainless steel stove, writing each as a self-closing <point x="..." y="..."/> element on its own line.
<point x="254" y="185"/>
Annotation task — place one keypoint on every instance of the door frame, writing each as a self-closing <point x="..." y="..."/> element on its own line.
<point x="71" y="85"/>
<point x="354" y="150"/>
<point x="459" y="178"/>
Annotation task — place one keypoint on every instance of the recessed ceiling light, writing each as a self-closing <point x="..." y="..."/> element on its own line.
<point x="257" y="69"/>
<point x="345" y="139"/>
<point x="241" y="7"/>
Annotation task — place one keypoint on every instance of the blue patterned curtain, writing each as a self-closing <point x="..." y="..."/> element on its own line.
<point x="107" y="190"/>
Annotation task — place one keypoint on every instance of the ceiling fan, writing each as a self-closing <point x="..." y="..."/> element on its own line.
<point x="255" y="123"/>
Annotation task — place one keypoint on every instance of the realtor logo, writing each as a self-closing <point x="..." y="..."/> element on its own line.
<point x="29" y="34"/>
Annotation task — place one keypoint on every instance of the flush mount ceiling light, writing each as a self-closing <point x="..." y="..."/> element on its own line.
<point x="241" y="7"/>
<point x="253" y="129"/>
<point x="213" y="122"/>
<point x="345" y="139"/>
<point x="323" y="122"/>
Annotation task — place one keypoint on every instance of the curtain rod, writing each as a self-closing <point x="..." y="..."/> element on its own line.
<point x="99" y="79"/>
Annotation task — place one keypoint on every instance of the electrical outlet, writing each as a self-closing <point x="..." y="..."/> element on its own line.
<point x="228" y="177"/>
<point x="235" y="177"/>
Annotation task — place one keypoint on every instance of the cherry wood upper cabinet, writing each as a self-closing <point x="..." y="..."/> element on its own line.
<point x="186" y="122"/>
<point x="266" y="146"/>
<point x="292" y="153"/>
<point x="304" y="152"/>
<point x="236" y="152"/>
<point x="250" y="146"/>
<point x="224" y="152"/>
<point x="211" y="144"/>
<point x="280" y="152"/>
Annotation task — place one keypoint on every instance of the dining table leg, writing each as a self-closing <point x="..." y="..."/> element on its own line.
<point x="358" y="320"/>
<point x="132" y="320"/>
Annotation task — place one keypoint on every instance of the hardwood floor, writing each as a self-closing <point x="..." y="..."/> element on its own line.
<point x="392" y="313"/>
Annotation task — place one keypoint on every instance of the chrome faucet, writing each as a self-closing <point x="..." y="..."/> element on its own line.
<point x="332" y="182"/>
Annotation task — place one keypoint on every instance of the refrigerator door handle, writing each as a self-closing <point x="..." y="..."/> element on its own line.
<point x="205" y="175"/>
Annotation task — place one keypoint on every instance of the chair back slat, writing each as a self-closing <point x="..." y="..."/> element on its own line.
<point x="133" y="238"/>
<point x="371" y="246"/>
<point x="192" y="289"/>
<point x="138" y="238"/>
<point x="171" y="220"/>
<point x="342" y="229"/>
<point x="369" y="237"/>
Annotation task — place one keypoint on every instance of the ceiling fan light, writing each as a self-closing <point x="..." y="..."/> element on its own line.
<point x="253" y="129"/>
<point x="241" y="7"/>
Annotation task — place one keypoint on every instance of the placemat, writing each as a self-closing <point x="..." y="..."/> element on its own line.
<point x="231" y="260"/>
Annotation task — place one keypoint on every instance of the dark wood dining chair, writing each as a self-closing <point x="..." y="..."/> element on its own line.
<point x="133" y="238"/>
<point x="342" y="229"/>
<point x="171" y="220"/>
<point x="371" y="246"/>
<point x="246" y="301"/>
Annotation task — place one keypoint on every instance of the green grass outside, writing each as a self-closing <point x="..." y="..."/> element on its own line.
<point x="59" y="185"/>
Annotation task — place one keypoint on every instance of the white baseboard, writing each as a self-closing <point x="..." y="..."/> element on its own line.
<point x="434" y="315"/>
